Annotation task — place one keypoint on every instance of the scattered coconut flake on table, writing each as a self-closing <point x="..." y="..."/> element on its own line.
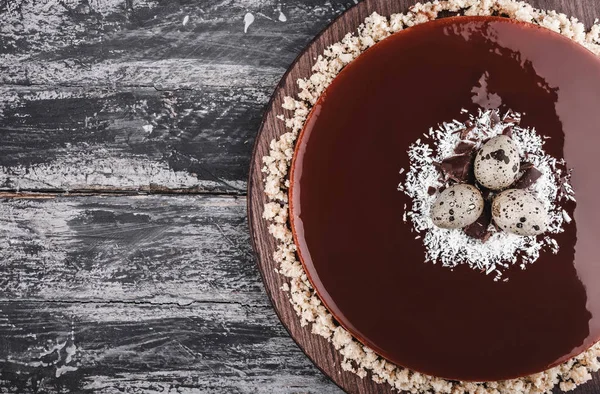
<point x="502" y="249"/>
<point x="357" y="358"/>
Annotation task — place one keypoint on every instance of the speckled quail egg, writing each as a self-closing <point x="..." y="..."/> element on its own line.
<point x="457" y="207"/>
<point x="519" y="212"/>
<point x="497" y="163"/>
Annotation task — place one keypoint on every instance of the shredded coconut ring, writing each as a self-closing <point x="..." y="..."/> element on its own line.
<point x="358" y="358"/>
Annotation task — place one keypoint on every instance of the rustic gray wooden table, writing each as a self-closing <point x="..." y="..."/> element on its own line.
<point x="126" y="130"/>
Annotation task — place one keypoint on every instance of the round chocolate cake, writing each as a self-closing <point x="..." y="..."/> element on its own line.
<point x="368" y="264"/>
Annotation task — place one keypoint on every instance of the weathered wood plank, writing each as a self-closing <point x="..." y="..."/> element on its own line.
<point x="87" y="35"/>
<point x="129" y="347"/>
<point x="169" y="249"/>
<point x="57" y="138"/>
<point x="138" y="294"/>
<point x="113" y="94"/>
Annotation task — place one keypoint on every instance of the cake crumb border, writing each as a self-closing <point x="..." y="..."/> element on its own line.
<point x="358" y="358"/>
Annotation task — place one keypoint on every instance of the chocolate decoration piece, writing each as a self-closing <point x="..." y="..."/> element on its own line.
<point x="510" y="117"/>
<point x="525" y="166"/>
<point x="564" y="180"/>
<point x="479" y="229"/>
<point x="459" y="168"/>
<point x="496" y="226"/>
<point x="508" y="131"/>
<point x="431" y="191"/>
<point x="465" y="132"/>
<point x="494" y="119"/>
<point x="464" y="147"/>
<point x="530" y="177"/>
<point x="485" y="192"/>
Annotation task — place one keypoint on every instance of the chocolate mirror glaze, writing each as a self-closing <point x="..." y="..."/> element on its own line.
<point x="365" y="262"/>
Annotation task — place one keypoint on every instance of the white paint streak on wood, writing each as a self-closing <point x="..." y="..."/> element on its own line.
<point x="213" y="384"/>
<point x="98" y="170"/>
<point x="131" y="347"/>
<point x="128" y="133"/>
<point x="154" y="249"/>
<point x="42" y="22"/>
<point x="9" y="98"/>
<point x="264" y="16"/>
<point x="163" y="74"/>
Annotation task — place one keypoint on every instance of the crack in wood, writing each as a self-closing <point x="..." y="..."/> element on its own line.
<point x="53" y="193"/>
<point x="185" y="303"/>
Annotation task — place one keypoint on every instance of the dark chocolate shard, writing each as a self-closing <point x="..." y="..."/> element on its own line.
<point x="530" y="177"/>
<point x="485" y="192"/>
<point x="458" y="168"/>
<point x="479" y="229"/>
<point x="465" y="132"/>
<point x="496" y="226"/>
<point x="464" y="147"/>
<point x="526" y="165"/>
<point x="431" y="191"/>
<point x="511" y="117"/>
<point x="486" y="236"/>
<point x="494" y="118"/>
<point x="563" y="182"/>
<point x="508" y="131"/>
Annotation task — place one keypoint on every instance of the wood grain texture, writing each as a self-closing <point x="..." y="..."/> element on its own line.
<point x="138" y="294"/>
<point x="122" y="95"/>
<point x="128" y="294"/>
<point x="321" y="352"/>
<point x="170" y="249"/>
<point x="149" y="348"/>
<point x="141" y="294"/>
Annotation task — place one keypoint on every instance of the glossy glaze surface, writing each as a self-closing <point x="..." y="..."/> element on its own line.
<point x="364" y="260"/>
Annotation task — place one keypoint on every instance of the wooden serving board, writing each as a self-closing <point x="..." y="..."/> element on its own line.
<point x="316" y="348"/>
